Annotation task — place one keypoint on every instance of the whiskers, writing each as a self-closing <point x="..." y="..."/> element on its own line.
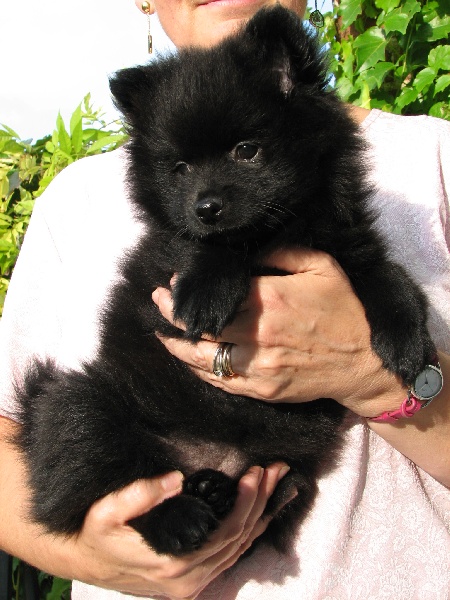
<point x="183" y="232"/>
<point x="277" y="213"/>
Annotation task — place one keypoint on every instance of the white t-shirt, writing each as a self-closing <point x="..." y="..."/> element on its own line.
<point x="380" y="526"/>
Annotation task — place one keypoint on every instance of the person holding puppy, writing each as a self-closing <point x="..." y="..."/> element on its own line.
<point x="296" y="338"/>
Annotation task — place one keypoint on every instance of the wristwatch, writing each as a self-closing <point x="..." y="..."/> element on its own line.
<point x="426" y="386"/>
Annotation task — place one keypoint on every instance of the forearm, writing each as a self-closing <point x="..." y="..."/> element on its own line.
<point x="425" y="437"/>
<point x="18" y="535"/>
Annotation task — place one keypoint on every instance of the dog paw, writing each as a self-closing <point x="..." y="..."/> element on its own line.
<point x="207" y="308"/>
<point x="177" y="526"/>
<point x="215" y="488"/>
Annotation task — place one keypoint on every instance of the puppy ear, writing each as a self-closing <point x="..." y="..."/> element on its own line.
<point x="293" y="51"/>
<point x="127" y="87"/>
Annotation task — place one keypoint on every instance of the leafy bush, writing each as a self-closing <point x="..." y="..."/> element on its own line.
<point x="392" y="54"/>
<point x="26" y="169"/>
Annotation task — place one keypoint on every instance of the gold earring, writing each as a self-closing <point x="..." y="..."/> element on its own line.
<point x="148" y="11"/>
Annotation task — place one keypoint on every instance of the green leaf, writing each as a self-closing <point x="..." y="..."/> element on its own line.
<point x="439" y="58"/>
<point x="374" y="76"/>
<point x="387" y="5"/>
<point x="24" y="208"/>
<point x="411" y="7"/>
<point x="344" y="88"/>
<point x="76" y="130"/>
<point x="424" y="78"/>
<point x="364" y="98"/>
<point x="435" y="29"/>
<point x="6" y="246"/>
<point x="59" y="588"/>
<point x="105" y="141"/>
<point x="349" y="10"/>
<point x="348" y="59"/>
<point x="440" y="110"/>
<point x="12" y="147"/>
<point x="63" y="137"/>
<point x="442" y="82"/>
<point x="370" y="48"/>
<point x="396" y="21"/>
<point x="5" y="220"/>
<point x="50" y="147"/>
<point x="407" y="96"/>
<point x="10" y="131"/>
<point x="399" y="18"/>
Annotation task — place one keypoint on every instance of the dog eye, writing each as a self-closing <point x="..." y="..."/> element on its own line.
<point x="246" y="151"/>
<point x="182" y="168"/>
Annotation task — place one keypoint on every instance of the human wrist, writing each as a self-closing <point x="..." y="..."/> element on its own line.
<point x="374" y="389"/>
<point x="394" y="401"/>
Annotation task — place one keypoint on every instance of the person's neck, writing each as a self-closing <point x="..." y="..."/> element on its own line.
<point x="357" y="113"/>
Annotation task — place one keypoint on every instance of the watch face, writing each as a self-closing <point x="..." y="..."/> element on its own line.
<point x="428" y="383"/>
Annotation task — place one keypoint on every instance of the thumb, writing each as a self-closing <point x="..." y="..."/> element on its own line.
<point x="138" y="497"/>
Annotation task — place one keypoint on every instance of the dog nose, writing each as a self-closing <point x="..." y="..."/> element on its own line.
<point x="208" y="210"/>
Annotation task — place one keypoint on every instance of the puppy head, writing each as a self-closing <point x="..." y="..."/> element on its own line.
<point x="227" y="142"/>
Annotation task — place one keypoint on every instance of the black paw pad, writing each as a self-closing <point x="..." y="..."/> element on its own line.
<point x="215" y="488"/>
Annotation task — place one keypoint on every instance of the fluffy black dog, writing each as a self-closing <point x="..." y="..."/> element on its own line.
<point x="234" y="151"/>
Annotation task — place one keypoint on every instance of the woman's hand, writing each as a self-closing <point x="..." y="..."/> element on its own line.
<point x="297" y="337"/>
<point x="108" y="553"/>
<point x="115" y="556"/>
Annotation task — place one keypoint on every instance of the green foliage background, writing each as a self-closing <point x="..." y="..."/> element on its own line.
<point x="392" y="54"/>
<point x="388" y="54"/>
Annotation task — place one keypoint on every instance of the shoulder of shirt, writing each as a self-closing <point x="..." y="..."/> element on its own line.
<point x="87" y="184"/>
<point x="88" y="203"/>
<point x="378" y="120"/>
<point x="412" y="137"/>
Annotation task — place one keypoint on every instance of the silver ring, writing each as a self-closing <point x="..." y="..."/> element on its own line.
<point x="222" y="360"/>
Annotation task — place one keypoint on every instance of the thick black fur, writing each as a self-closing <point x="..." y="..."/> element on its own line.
<point x="234" y="151"/>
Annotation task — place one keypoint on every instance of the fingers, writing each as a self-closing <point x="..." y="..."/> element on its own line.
<point x="119" y="558"/>
<point x="241" y="528"/>
<point x="136" y="499"/>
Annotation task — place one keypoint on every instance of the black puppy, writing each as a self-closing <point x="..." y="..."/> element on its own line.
<point x="234" y="151"/>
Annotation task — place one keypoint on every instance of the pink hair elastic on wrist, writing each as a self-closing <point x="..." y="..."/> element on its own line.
<point x="408" y="408"/>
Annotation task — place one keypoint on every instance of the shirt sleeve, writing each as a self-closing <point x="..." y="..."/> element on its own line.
<point x="78" y="231"/>
<point x="30" y="323"/>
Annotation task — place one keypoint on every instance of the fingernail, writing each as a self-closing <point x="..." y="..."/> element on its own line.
<point x="258" y="471"/>
<point x="155" y="297"/>
<point x="282" y="472"/>
<point x="172" y="482"/>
